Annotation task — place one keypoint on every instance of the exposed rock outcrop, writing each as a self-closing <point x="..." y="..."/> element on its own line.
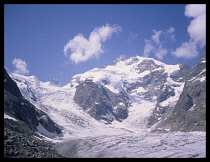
<point x="100" y="102"/>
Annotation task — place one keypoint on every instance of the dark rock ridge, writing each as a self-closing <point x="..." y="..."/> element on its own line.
<point x="100" y="102"/>
<point x="18" y="107"/>
<point x="10" y="86"/>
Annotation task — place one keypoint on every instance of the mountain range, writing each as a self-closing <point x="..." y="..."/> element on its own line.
<point x="134" y="94"/>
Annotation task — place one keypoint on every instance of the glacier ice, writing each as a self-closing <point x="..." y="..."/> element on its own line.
<point x="144" y="145"/>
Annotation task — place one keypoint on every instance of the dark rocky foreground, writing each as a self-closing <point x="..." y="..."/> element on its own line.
<point x="21" y="142"/>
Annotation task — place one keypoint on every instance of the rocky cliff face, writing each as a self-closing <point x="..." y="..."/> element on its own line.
<point x="100" y="102"/>
<point x="164" y="104"/>
<point x="189" y="113"/>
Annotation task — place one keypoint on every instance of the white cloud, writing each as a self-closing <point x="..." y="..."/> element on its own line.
<point x="170" y="34"/>
<point x="80" y="49"/>
<point x="187" y="50"/>
<point x="197" y="27"/>
<point x="195" y="10"/>
<point x="172" y="37"/>
<point x="21" y="66"/>
<point x="160" y="53"/>
<point x="155" y="44"/>
<point x="132" y="37"/>
<point x="170" y="30"/>
<point x="196" y="30"/>
<point x="148" y="48"/>
<point x="156" y="36"/>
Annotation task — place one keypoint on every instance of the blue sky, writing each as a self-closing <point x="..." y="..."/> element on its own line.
<point x="47" y="40"/>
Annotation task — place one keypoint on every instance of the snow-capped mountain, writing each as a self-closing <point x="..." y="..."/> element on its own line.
<point x="126" y="101"/>
<point x="124" y="94"/>
<point x="142" y="84"/>
<point x="135" y="93"/>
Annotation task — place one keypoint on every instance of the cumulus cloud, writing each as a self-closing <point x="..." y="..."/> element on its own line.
<point x="21" y="66"/>
<point x="80" y="49"/>
<point x="196" y="30"/>
<point x="187" y="50"/>
<point x="197" y="27"/>
<point x="195" y="10"/>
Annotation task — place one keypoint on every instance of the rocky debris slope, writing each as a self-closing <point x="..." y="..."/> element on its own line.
<point x="21" y="142"/>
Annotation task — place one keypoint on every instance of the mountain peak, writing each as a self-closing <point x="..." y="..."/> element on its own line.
<point x="138" y="59"/>
<point x="54" y="81"/>
<point x="121" y="58"/>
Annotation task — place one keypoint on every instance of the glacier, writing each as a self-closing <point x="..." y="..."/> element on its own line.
<point x="144" y="145"/>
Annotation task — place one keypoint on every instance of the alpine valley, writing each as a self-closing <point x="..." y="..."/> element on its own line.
<point x="137" y="107"/>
